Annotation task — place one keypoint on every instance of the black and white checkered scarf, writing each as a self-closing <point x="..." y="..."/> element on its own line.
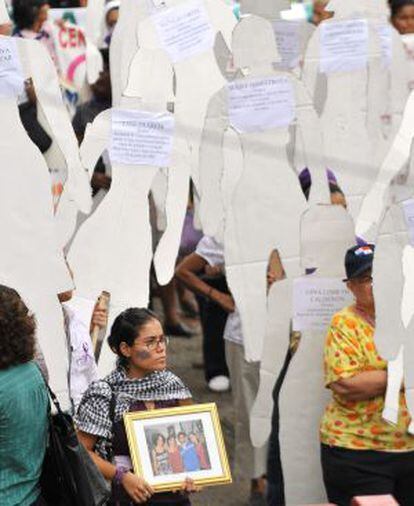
<point x="94" y="413"/>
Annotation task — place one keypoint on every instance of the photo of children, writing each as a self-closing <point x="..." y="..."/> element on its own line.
<point x="177" y="448"/>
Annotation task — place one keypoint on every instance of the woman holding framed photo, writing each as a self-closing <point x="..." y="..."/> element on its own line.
<point x="139" y="382"/>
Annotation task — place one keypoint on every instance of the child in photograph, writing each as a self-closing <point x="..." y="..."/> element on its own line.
<point x="160" y="460"/>
<point x="188" y="453"/>
<point x="201" y="451"/>
<point x="174" y="455"/>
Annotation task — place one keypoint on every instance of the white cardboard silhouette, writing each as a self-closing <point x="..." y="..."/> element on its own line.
<point x="269" y="9"/>
<point x="33" y="262"/>
<point x="198" y="75"/>
<point x="254" y="226"/>
<point x="112" y="250"/>
<point x="328" y="229"/>
<point x="395" y="162"/>
<point x="358" y="127"/>
<point x="394" y="307"/>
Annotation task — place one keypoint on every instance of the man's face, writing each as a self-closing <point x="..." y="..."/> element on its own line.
<point x="361" y="288"/>
<point x="182" y="439"/>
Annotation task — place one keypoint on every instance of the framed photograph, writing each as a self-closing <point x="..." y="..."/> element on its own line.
<point x="168" y="445"/>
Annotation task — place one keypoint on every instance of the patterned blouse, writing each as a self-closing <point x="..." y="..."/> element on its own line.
<point x="350" y="350"/>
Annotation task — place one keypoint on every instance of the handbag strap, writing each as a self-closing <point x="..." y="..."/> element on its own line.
<point x="51" y="393"/>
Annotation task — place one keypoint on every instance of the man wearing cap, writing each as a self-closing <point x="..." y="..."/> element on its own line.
<point x="361" y="453"/>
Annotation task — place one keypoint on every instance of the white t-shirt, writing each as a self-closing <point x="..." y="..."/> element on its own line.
<point x="213" y="253"/>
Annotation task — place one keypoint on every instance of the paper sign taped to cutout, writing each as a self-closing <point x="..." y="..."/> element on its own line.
<point x="408" y="207"/>
<point x="287" y="36"/>
<point x="316" y="300"/>
<point x="141" y="138"/>
<point x="261" y="104"/>
<point x="185" y="31"/>
<point x="344" y="46"/>
<point x="384" y="32"/>
<point x="11" y="73"/>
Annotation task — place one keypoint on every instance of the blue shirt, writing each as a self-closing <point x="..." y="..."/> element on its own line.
<point x="190" y="458"/>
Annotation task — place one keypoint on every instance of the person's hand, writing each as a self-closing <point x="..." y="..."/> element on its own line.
<point x="99" y="318"/>
<point x="224" y="300"/>
<point x="101" y="181"/>
<point x="30" y="91"/>
<point x="137" y="488"/>
<point x="213" y="270"/>
<point x="189" y="487"/>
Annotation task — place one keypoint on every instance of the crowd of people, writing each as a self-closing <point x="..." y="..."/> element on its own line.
<point x="360" y="453"/>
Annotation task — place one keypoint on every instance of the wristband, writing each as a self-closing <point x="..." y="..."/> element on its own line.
<point x="119" y="474"/>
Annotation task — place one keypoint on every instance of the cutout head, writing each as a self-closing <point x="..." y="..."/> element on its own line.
<point x="369" y="8"/>
<point x="254" y="43"/>
<point x="269" y="9"/>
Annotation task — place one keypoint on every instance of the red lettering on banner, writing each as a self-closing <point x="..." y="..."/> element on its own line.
<point x="71" y="37"/>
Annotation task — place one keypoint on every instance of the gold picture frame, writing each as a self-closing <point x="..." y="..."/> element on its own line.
<point x="167" y="445"/>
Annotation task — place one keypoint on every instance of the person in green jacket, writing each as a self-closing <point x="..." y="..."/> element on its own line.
<point x="23" y="405"/>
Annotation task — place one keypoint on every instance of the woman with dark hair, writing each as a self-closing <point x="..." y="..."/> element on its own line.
<point x="30" y="17"/>
<point x="23" y="405"/>
<point x="139" y="382"/>
<point x="402" y="16"/>
<point x="160" y="461"/>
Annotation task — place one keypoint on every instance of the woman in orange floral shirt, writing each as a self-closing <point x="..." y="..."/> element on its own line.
<point x="361" y="453"/>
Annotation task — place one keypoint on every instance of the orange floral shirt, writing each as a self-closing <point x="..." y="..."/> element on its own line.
<point x="349" y="350"/>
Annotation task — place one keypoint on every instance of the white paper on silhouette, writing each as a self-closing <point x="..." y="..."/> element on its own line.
<point x="344" y="46"/>
<point x="141" y="138"/>
<point x="11" y="73"/>
<point x="261" y="104"/>
<point x="288" y="40"/>
<point x="185" y="31"/>
<point x="315" y="300"/>
<point x="408" y="207"/>
<point x="384" y="32"/>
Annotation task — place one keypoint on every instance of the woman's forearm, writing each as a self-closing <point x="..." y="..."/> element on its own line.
<point x="362" y="386"/>
<point x="107" y="469"/>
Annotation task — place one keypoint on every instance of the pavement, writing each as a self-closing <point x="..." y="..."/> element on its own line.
<point x="185" y="360"/>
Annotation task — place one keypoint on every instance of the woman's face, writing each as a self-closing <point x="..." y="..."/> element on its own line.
<point x="42" y="15"/>
<point x="148" y="353"/>
<point x="172" y="443"/>
<point x="193" y="438"/>
<point x="403" y="21"/>
<point x="160" y="441"/>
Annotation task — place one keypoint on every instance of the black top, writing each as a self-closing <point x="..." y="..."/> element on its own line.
<point x="120" y="447"/>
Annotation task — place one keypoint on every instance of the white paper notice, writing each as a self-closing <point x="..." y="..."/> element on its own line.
<point x="141" y="138"/>
<point x="384" y="32"/>
<point x="261" y="104"/>
<point x="408" y="207"/>
<point x="344" y="46"/>
<point x="316" y="300"/>
<point x="185" y="30"/>
<point x="11" y="74"/>
<point x="287" y="34"/>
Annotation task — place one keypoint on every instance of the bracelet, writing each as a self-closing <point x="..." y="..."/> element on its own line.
<point x="119" y="474"/>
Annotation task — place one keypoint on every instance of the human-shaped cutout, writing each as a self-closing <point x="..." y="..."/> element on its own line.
<point x="396" y="163"/>
<point x="186" y="30"/>
<point x="264" y="210"/>
<point x="269" y="9"/>
<point x="112" y="250"/>
<point x="357" y="58"/>
<point x="394" y="307"/>
<point x="32" y="262"/>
